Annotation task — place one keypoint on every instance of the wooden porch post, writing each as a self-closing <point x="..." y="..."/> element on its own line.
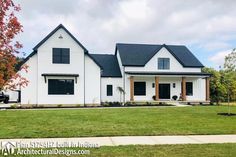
<point x="131" y="88"/>
<point x="157" y="88"/>
<point x="183" y="93"/>
<point x="207" y="89"/>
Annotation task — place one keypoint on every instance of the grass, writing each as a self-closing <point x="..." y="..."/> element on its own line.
<point x="195" y="150"/>
<point x="116" y="122"/>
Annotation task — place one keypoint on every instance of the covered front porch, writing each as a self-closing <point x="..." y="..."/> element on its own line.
<point x="166" y="87"/>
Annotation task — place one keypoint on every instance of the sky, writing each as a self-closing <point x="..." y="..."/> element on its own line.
<point x="206" y="27"/>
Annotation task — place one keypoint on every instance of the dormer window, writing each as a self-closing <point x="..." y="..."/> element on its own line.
<point x="61" y="55"/>
<point x="163" y="63"/>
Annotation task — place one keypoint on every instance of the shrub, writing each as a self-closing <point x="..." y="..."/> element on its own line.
<point x="13" y="106"/>
<point x="154" y="97"/>
<point x="175" y="97"/>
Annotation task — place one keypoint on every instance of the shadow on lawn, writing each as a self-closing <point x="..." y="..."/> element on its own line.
<point x="227" y="114"/>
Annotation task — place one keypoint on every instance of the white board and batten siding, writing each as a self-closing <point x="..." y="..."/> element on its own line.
<point x="92" y="82"/>
<point x="37" y="90"/>
<point x="115" y="82"/>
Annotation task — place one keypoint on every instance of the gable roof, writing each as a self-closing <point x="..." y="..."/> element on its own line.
<point x="140" y="54"/>
<point x="109" y="64"/>
<point x="60" y="26"/>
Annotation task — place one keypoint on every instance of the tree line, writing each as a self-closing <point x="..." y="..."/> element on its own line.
<point x="223" y="81"/>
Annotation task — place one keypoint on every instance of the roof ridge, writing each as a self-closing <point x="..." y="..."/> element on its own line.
<point x="138" y="44"/>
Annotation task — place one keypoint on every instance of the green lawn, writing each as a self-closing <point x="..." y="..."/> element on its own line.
<point x="195" y="150"/>
<point x="116" y="121"/>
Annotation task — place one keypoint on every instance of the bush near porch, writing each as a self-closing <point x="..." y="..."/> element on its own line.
<point x="116" y="122"/>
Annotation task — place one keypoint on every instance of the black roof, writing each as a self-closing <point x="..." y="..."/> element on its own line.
<point x="109" y="64"/>
<point x="140" y="54"/>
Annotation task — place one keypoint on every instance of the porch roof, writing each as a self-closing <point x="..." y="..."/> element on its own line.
<point x="62" y="75"/>
<point x="171" y="73"/>
<point x="45" y="75"/>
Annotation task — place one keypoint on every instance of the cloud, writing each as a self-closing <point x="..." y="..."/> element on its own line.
<point x="99" y="24"/>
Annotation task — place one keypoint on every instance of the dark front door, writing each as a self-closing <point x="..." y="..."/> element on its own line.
<point x="164" y="91"/>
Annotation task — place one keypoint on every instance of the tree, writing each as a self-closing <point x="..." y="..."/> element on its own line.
<point x="229" y="76"/>
<point x="121" y="91"/>
<point x="9" y="28"/>
<point x="230" y="61"/>
<point x="218" y="90"/>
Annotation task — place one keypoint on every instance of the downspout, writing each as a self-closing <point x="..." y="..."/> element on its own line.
<point x="124" y="84"/>
<point x="101" y="86"/>
<point x="84" y="78"/>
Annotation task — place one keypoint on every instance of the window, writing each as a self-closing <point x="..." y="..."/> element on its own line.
<point x="153" y="85"/>
<point x="61" y="55"/>
<point x="163" y="63"/>
<point x="173" y="85"/>
<point x="139" y="88"/>
<point x="109" y="90"/>
<point x="189" y="88"/>
<point x="60" y="87"/>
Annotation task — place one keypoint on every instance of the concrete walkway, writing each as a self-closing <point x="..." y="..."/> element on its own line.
<point x="127" y="140"/>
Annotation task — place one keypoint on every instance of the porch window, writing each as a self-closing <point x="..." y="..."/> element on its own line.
<point x="140" y="88"/>
<point x="109" y="90"/>
<point x="163" y="63"/>
<point x="189" y="88"/>
<point x="61" y="55"/>
<point x="60" y="87"/>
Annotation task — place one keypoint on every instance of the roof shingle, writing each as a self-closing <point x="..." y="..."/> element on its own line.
<point x="109" y="64"/>
<point x="140" y="54"/>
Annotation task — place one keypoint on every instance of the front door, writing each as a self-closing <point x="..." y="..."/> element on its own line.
<point x="164" y="91"/>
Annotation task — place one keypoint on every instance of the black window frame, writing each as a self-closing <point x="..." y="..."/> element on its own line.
<point x="55" y="88"/>
<point x="163" y="63"/>
<point x="140" y="88"/>
<point x="189" y="88"/>
<point x="109" y="90"/>
<point x="61" y="55"/>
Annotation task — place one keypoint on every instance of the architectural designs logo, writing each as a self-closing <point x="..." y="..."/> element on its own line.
<point x="8" y="148"/>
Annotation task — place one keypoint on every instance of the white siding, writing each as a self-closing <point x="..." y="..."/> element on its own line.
<point x="29" y="93"/>
<point x="199" y="89"/>
<point x="115" y="82"/>
<point x="37" y="90"/>
<point x="92" y="82"/>
<point x="152" y="64"/>
<point x="76" y="66"/>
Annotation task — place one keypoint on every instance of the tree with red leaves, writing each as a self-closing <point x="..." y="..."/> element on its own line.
<point x="9" y="28"/>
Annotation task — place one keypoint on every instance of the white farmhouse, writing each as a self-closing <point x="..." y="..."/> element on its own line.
<point x="62" y="71"/>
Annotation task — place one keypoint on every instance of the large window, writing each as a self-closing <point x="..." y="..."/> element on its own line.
<point x="139" y="88"/>
<point x="109" y="90"/>
<point x="163" y="63"/>
<point x="61" y="55"/>
<point x="189" y="88"/>
<point x="60" y="87"/>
